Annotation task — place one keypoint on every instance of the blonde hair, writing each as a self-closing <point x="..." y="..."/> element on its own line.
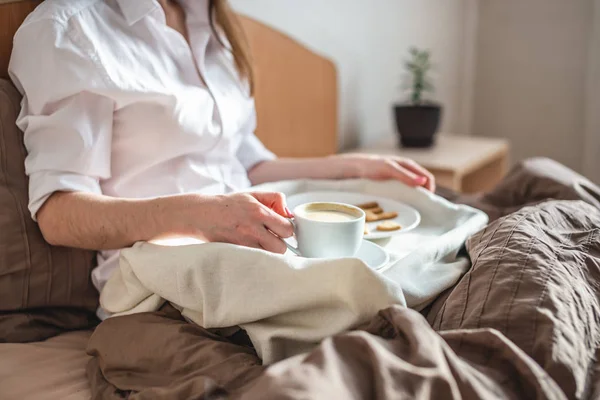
<point x="220" y="12"/>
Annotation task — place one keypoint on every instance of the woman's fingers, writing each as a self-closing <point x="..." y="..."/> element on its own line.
<point x="274" y="201"/>
<point x="262" y="237"/>
<point x="420" y="171"/>
<point x="272" y="216"/>
<point x="261" y="224"/>
<point x="404" y="175"/>
<point x="272" y="243"/>
<point x="280" y="226"/>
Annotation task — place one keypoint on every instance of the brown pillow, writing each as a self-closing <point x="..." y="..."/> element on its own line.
<point x="43" y="289"/>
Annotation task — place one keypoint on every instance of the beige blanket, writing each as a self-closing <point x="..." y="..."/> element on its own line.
<point x="288" y="304"/>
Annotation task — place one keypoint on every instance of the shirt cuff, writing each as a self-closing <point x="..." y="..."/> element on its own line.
<point x="43" y="184"/>
<point x="252" y="152"/>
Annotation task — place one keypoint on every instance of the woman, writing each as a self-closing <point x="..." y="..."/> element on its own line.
<point x="140" y="127"/>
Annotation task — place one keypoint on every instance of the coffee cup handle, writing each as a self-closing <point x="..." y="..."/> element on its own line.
<point x="293" y="249"/>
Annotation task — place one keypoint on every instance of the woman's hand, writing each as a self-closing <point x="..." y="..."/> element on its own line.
<point x="385" y="167"/>
<point x="245" y="219"/>
<point x="344" y="167"/>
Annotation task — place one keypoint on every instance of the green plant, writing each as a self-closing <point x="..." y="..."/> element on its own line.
<point x="418" y="67"/>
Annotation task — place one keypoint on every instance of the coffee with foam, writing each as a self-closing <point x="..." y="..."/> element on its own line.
<point x="328" y="230"/>
<point x="328" y="216"/>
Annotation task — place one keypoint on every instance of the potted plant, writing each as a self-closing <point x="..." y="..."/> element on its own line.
<point x="417" y="120"/>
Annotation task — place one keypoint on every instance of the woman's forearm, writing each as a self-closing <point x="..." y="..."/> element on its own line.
<point x="333" y="167"/>
<point x="344" y="166"/>
<point x="97" y="222"/>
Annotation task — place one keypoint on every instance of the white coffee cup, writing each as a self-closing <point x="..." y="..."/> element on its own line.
<point x="327" y="230"/>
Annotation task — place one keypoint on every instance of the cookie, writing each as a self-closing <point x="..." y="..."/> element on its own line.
<point x="376" y="210"/>
<point x="368" y="206"/>
<point x="388" y="226"/>
<point x="366" y="230"/>
<point x="370" y="216"/>
<point x="386" y="215"/>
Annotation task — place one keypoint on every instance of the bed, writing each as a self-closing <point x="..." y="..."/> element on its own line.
<point x="523" y="322"/>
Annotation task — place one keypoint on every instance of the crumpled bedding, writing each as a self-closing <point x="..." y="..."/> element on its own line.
<point x="52" y="369"/>
<point x="536" y="278"/>
<point x="522" y="323"/>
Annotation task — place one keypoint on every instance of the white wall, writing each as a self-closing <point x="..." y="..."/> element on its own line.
<point x="591" y="155"/>
<point x="368" y="41"/>
<point x="532" y="64"/>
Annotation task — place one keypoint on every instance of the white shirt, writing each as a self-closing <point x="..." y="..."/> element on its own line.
<point x="113" y="104"/>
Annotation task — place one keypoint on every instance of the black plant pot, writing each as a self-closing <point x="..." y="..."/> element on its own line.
<point x="417" y="125"/>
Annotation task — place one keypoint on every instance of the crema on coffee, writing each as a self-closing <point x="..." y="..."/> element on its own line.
<point x="328" y="216"/>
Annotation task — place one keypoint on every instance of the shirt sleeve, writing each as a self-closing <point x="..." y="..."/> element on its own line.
<point x="251" y="150"/>
<point x="65" y="118"/>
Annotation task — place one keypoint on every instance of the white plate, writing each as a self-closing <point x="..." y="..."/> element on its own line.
<point x="408" y="218"/>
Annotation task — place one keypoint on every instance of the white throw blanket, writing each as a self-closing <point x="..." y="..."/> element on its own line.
<point x="288" y="304"/>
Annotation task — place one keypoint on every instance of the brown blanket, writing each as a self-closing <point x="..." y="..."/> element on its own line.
<point x="524" y="322"/>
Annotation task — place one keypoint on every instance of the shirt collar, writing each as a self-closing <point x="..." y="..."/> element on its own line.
<point x="196" y="10"/>
<point x="135" y="10"/>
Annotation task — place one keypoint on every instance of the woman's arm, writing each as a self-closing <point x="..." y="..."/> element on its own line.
<point x="298" y="168"/>
<point x="91" y="221"/>
<point x="97" y="222"/>
<point x="343" y="167"/>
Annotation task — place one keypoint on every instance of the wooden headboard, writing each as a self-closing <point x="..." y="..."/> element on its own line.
<point x="296" y="89"/>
